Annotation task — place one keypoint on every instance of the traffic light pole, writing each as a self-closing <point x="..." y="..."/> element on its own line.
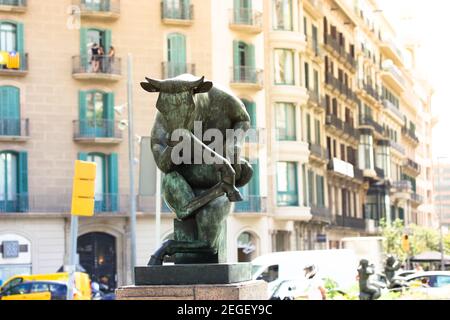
<point x="72" y="256"/>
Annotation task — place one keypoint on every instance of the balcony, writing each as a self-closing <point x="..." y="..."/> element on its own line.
<point x="103" y="9"/>
<point x="320" y="213"/>
<point x="392" y="75"/>
<point x="174" y="69"/>
<point x="13" y="6"/>
<point x="97" y="131"/>
<point x="247" y="78"/>
<point x="367" y="121"/>
<point x="359" y="174"/>
<point x="14" y="130"/>
<point x="401" y="190"/>
<point x="380" y="173"/>
<point x="251" y="204"/>
<point x="333" y="46"/>
<point x="416" y="199"/>
<point x="177" y="14"/>
<point x="108" y="69"/>
<point x="350" y="131"/>
<point x="412" y="166"/>
<point x="349" y="222"/>
<point x="390" y="50"/>
<point x="342" y="168"/>
<point x="371" y="91"/>
<point x="312" y="45"/>
<point x="21" y="71"/>
<point x="397" y="147"/>
<point x="334" y="122"/>
<point x="246" y="20"/>
<point x="61" y="204"/>
<point x="318" y="153"/>
<point x="390" y="107"/>
<point x="410" y="135"/>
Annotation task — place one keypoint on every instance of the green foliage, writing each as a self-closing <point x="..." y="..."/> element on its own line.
<point x="447" y="243"/>
<point x="421" y="239"/>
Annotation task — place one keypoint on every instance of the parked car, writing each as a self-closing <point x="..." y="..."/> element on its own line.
<point x="82" y="282"/>
<point x="36" y="290"/>
<point x="431" y="283"/>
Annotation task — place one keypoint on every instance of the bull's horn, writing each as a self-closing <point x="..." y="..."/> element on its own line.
<point x="154" y="83"/>
<point x="197" y="83"/>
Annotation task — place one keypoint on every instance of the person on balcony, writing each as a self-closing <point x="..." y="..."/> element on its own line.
<point x="95" y="60"/>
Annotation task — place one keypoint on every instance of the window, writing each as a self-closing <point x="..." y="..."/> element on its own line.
<point x="308" y="128"/>
<point x="96" y="114"/>
<point x="366" y="160"/>
<point x="383" y="159"/>
<point x="320" y="191"/>
<point x="306" y="75"/>
<point x="13" y="182"/>
<point x="282" y="15"/>
<point x="9" y="111"/>
<point x="243" y="12"/>
<point x="317" y="126"/>
<point x="311" y="183"/>
<point x="18" y="290"/>
<point x="96" y="5"/>
<point x="287" y="190"/>
<point x="12" y="38"/>
<point x="176" y="9"/>
<point x="284" y="67"/>
<point x="176" y="55"/>
<point x="316" y="82"/>
<point x="88" y="38"/>
<point x="244" y="62"/>
<point x="106" y="182"/>
<point x="285" y="121"/>
<point x="269" y="274"/>
<point x="315" y="41"/>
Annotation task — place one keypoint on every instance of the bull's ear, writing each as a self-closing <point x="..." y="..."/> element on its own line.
<point x="147" y="86"/>
<point x="204" y="87"/>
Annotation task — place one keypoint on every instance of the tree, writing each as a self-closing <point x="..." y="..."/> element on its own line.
<point x="447" y="243"/>
<point x="421" y="239"/>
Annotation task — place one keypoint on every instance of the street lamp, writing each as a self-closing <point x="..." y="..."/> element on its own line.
<point x="440" y="216"/>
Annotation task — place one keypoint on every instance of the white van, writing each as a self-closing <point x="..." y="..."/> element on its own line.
<point x="370" y="248"/>
<point x="338" y="265"/>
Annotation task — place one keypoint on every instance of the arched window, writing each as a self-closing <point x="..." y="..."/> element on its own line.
<point x="8" y="36"/>
<point x="176" y="55"/>
<point x="244" y="62"/>
<point x="247" y="247"/>
<point x="9" y="111"/>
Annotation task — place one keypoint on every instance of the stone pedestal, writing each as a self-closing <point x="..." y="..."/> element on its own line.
<point x="249" y="290"/>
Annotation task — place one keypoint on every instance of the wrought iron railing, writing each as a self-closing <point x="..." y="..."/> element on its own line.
<point x="16" y="3"/>
<point x="251" y="204"/>
<point x="15" y="127"/>
<point x="179" y="12"/>
<point x="250" y="75"/>
<point x="112" y="6"/>
<point x="350" y="222"/>
<point x="410" y="133"/>
<point x="96" y="65"/>
<point x="174" y="69"/>
<point x="245" y="16"/>
<point x="21" y="66"/>
<point x="96" y="128"/>
<point x="390" y="106"/>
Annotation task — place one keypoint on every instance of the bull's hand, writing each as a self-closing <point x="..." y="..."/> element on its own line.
<point x="228" y="177"/>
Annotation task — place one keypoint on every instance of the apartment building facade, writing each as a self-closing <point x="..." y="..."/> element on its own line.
<point x="330" y="157"/>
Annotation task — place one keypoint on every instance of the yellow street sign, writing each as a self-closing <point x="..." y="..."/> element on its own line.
<point x="405" y="243"/>
<point x="83" y="192"/>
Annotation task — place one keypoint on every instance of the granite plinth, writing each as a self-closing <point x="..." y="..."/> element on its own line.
<point x="249" y="290"/>
<point x="193" y="274"/>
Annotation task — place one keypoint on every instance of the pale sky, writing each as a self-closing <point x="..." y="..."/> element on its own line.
<point x="427" y="21"/>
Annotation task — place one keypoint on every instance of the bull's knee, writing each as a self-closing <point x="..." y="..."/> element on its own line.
<point x="177" y="192"/>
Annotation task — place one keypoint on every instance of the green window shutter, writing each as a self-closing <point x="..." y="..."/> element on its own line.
<point x="84" y="63"/>
<point x="82" y="108"/>
<point x="176" y="54"/>
<point x="254" y="183"/>
<point x="109" y="114"/>
<point x="236" y="64"/>
<point x="9" y="111"/>
<point x="113" y="178"/>
<point x="186" y="5"/>
<point x="20" y="38"/>
<point x="251" y="55"/>
<point x="107" y="40"/>
<point x="83" y="156"/>
<point x="251" y="109"/>
<point x="23" y="181"/>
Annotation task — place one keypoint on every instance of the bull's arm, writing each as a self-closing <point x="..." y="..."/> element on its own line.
<point x="160" y="146"/>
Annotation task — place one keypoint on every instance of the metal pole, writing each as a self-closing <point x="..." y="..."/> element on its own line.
<point x="440" y="219"/>
<point x="158" y="209"/>
<point x="131" y="168"/>
<point x="72" y="255"/>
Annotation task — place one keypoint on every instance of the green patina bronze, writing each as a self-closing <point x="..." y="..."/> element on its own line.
<point x="201" y="194"/>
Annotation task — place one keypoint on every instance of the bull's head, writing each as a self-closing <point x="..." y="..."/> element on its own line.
<point x="176" y="93"/>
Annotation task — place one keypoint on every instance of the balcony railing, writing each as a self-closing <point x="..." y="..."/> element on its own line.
<point x="247" y="75"/>
<point x="14" y="128"/>
<point x="313" y="97"/>
<point x="350" y="222"/>
<point x="102" y="6"/>
<point x="251" y="204"/>
<point x="174" y="69"/>
<point x="22" y="68"/>
<point x="321" y="212"/>
<point x="359" y="174"/>
<point x="417" y="198"/>
<point x="96" y="65"/>
<point x="180" y="12"/>
<point x="397" y="147"/>
<point x="20" y="5"/>
<point x="395" y="72"/>
<point x="402" y="186"/>
<point x="318" y="151"/>
<point x="390" y="106"/>
<point x="412" y="165"/>
<point x="410" y="133"/>
<point x="371" y="91"/>
<point x="98" y="128"/>
<point x="380" y="173"/>
<point x="334" y="121"/>
<point x="246" y="17"/>
<point x="365" y="120"/>
<point x="313" y="45"/>
<point x="350" y="130"/>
